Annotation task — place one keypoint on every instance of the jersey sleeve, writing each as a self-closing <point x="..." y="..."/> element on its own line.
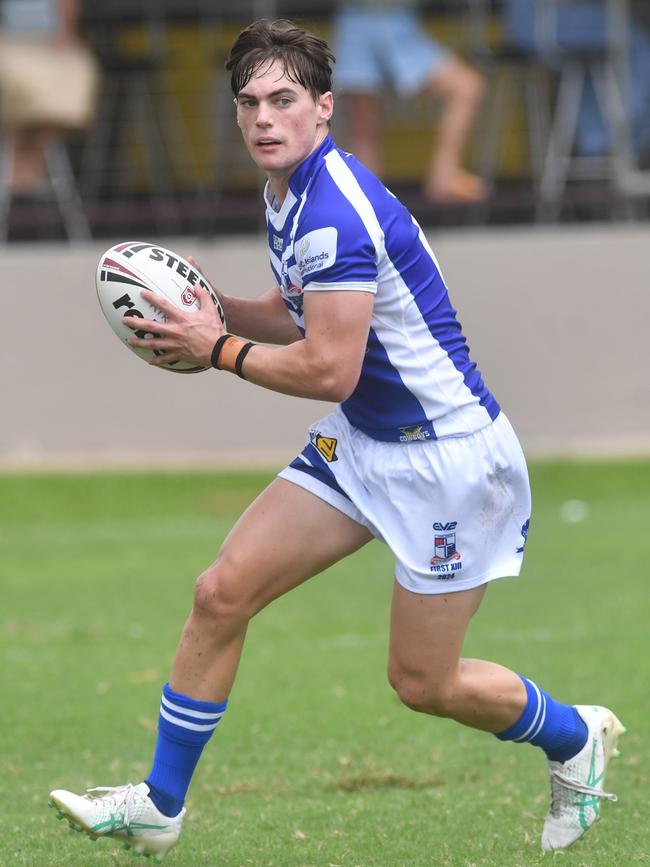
<point x="333" y="251"/>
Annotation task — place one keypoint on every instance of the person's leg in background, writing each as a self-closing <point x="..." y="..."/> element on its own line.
<point x="382" y="48"/>
<point x="359" y="81"/>
<point x="459" y="89"/>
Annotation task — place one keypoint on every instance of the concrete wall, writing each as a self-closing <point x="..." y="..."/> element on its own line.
<point x="557" y="320"/>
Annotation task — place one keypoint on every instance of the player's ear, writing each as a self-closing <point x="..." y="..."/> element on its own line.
<point x="326" y="105"/>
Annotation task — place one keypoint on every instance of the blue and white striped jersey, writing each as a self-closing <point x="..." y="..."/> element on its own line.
<point x="340" y="229"/>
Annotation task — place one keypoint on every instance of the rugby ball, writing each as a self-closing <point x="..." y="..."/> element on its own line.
<point x="125" y="269"/>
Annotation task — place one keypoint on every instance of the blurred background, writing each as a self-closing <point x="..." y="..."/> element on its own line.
<point x="523" y="149"/>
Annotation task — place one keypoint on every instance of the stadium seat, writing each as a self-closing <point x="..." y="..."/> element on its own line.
<point x="135" y="115"/>
<point x="575" y="68"/>
<point x="517" y="80"/>
<point x="61" y="190"/>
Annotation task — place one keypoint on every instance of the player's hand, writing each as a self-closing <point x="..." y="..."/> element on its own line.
<point x="220" y="295"/>
<point x="187" y="336"/>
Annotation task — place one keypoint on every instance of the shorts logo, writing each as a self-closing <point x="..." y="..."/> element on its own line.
<point x="524" y="533"/>
<point x="446" y="559"/>
<point x="411" y="434"/>
<point x="325" y="445"/>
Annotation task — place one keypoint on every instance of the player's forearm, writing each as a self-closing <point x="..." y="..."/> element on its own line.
<point x="264" y="319"/>
<point x="299" y="369"/>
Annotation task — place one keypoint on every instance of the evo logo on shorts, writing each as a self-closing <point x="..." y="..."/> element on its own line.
<point x="325" y="445"/>
<point x="446" y="559"/>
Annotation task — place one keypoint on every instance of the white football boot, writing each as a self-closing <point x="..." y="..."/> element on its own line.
<point x="577" y="784"/>
<point x="124" y="813"/>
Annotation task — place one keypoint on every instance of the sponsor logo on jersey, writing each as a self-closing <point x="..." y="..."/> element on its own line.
<point x="277" y="243"/>
<point x="325" y="445"/>
<point x="316" y="250"/>
<point x="446" y="559"/>
<point x="412" y="434"/>
<point x="187" y="296"/>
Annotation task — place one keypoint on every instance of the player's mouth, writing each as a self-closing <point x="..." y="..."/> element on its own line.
<point x="267" y="143"/>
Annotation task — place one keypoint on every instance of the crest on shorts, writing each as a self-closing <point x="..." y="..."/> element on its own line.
<point x="325" y="445"/>
<point x="446" y="558"/>
<point x="444" y="547"/>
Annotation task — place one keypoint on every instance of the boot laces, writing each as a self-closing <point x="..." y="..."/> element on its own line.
<point x="118" y="796"/>
<point x="560" y="783"/>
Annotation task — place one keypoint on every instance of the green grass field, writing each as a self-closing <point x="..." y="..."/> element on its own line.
<point x="316" y="762"/>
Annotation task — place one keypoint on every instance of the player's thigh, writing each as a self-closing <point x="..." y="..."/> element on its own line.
<point x="427" y="632"/>
<point x="286" y="536"/>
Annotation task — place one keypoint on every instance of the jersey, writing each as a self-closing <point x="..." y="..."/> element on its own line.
<point x="340" y="229"/>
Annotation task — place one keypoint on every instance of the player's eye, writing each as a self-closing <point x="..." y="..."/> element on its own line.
<point x="284" y="100"/>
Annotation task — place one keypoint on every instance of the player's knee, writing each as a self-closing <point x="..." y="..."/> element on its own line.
<point x="466" y="85"/>
<point x="474" y="84"/>
<point x="420" y="693"/>
<point x="218" y="592"/>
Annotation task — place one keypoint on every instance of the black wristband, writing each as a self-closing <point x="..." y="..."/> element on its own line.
<point x="243" y="352"/>
<point x="216" y="352"/>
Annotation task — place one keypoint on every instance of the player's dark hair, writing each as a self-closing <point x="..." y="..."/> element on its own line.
<point x="306" y="59"/>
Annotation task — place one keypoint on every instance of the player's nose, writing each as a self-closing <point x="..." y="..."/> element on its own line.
<point x="263" y="117"/>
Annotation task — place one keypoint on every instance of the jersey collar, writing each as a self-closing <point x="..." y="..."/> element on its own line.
<point x="302" y="175"/>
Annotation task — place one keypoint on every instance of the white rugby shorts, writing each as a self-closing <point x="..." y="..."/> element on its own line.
<point x="454" y="511"/>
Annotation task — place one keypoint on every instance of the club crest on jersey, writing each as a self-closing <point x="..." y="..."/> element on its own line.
<point x="188" y="297"/>
<point x="291" y="283"/>
<point x="325" y="445"/>
<point x="277" y="243"/>
<point x="446" y="559"/>
<point x="412" y="434"/>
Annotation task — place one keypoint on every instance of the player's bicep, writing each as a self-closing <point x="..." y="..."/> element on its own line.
<point x="337" y="325"/>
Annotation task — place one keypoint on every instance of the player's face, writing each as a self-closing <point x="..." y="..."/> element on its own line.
<point x="280" y="122"/>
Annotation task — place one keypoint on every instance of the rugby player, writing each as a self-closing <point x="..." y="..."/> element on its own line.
<point x="417" y="453"/>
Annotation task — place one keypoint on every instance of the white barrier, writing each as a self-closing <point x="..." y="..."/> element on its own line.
<point x="556" y="319"/>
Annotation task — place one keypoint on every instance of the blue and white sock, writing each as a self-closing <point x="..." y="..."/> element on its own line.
<point x="557" y="728"/>
<point x="185" y="725"/>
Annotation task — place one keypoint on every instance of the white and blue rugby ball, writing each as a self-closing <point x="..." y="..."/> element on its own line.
<point x="130" y="266"/>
